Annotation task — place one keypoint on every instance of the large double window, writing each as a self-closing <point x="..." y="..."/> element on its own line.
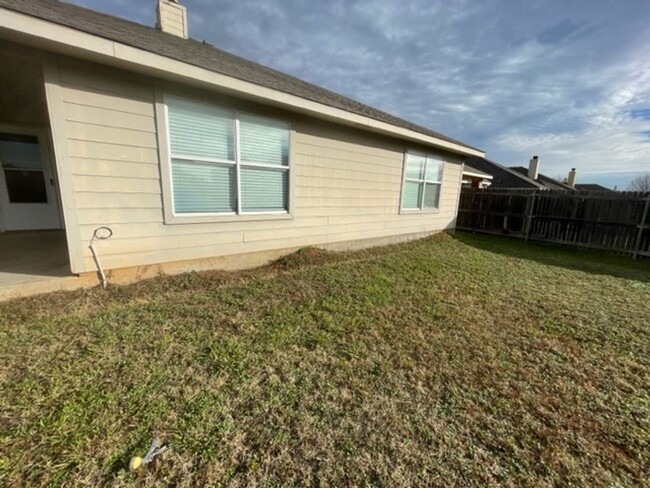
<point x="422" y="182"/>
<point x="226" y="162"/>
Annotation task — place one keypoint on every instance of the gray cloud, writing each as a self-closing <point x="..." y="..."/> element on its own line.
<point x="558" y="32"/>
<point x="565" y="79"/>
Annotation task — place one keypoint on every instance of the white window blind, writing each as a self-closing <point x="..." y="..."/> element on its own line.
<point x="203" y="187"/>
<point x="412" y="195"/>
<point x="422" y="182"/>
<point x="201" y="130"/>
<point x="263" y="141"/>
<point x="433" y="182"/>
<point x="219" y="156"/>
<point x="263" y="190"/>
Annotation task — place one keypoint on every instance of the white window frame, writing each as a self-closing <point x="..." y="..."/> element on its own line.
<point x="423" y="181"/>
<point x="165" y="153"/>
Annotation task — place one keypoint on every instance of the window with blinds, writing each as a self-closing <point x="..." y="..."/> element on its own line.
<point x="226" y="162"/>
<point x="422" y="182"/>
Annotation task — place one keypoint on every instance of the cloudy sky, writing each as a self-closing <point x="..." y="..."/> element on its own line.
<point x="568" y="80"/>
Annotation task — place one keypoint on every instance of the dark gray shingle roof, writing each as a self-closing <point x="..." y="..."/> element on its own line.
<point x="547" y="181"/>
<point x="502" y="177"/>
<point x="200" y="54"/>
<point x="591" y="187"/>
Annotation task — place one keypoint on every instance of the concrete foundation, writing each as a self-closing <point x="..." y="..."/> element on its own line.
<point x="38" y="264"/>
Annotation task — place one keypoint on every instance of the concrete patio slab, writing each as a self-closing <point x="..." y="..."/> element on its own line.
<point x="33" y="262"/>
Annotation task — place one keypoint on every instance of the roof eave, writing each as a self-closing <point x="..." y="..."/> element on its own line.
<point x="476" y="174"/>
<point x="54" y="37"/>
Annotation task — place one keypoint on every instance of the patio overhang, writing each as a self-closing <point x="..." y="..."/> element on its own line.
<point x="34" y="242"/>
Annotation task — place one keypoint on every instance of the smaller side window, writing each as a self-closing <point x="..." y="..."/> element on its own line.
<point x="422" y="182"/>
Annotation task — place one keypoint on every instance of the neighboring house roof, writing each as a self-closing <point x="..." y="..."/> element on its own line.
<point x="547" y="181"/>
<point x="470" y="171"/>
<point x="592" y="187"/>
<point x="502" y="177"/>
<point x="202" y="55"/>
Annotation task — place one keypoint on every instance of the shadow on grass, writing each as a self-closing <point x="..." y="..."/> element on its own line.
<point x="590" y="261"/>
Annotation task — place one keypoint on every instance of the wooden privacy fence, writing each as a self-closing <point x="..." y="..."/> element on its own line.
<point x="613" y="221"/>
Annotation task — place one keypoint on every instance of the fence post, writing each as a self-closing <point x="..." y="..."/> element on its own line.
<point x="644" y="217"/>
<point x="530" y="205"/>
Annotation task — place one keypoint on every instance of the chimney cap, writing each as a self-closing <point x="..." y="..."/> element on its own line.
<point x="535" y="157"/>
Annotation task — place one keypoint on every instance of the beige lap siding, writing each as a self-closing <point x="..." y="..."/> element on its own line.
<point x="346" y="183"/>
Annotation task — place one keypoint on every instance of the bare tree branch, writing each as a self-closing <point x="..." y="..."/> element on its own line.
<point x="640" y="183"/>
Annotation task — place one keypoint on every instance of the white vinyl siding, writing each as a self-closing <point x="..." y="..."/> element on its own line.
<point x="346" y="184"/>
<point x="225" y="162"/>
<point x="422" y="182"/>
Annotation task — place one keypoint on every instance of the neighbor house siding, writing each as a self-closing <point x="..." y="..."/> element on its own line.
<point x="346" y="184"/>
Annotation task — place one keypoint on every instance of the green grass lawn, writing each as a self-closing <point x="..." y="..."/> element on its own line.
<point x="451" y="361"/>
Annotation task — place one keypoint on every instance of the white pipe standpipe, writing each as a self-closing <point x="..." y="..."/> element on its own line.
<point x="101" y="234"/>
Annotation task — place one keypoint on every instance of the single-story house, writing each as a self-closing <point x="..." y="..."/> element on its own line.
<point x="592" y="187"/>
<point x="519" y="177"/>
<point x="194" y="158"/>
<point x="548" y="182"/>
<point x="473" y="178"/>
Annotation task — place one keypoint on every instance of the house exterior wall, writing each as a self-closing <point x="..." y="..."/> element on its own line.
<point x="345" y="183"/>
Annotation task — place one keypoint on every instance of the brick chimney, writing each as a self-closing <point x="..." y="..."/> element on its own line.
<point x="533" y="168"/>
<point x="571" y="180"/>
<point x="172" y="18"/>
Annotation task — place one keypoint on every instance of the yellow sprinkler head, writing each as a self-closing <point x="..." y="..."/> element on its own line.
<point x="154" y="450"/>
<point x="135" y="463"/>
